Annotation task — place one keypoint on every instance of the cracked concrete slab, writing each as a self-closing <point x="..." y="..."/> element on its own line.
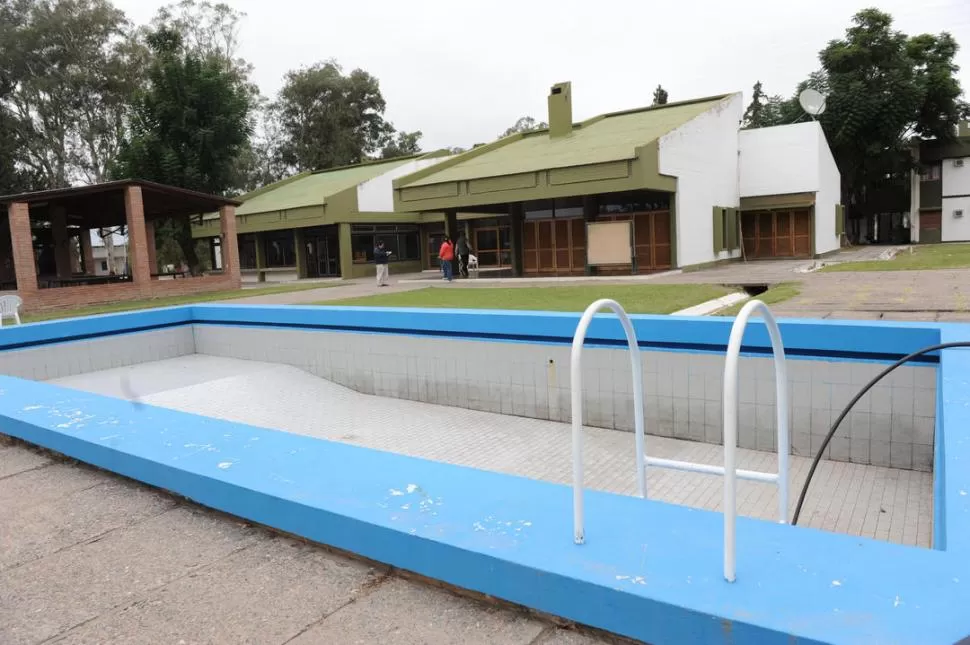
<point x="14" y="461"/>
<point x="78" y="516"/>
<point x="42" y="485"/>
<point x="417" y="614"/>
<point x="46" y="597"/>
<point x="266" y="593"/>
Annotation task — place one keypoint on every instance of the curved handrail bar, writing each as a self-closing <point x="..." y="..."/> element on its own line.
<point x="731" y="425"/>
<point x="576" y="390"/>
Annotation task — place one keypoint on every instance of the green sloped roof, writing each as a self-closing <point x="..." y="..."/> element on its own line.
<point x="612" y="137"/>
<point x="314" y="188"/>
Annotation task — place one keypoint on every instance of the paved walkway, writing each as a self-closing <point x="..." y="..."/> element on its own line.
<point x="942" y="295"/>
<point x="881" y="503"/>
<point x="90" y="558"/>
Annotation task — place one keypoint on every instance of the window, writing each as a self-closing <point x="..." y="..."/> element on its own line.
<point x="247" y="251"/>
<point x="404" y="242"/>
<point x="638" y="202"/>
<point x="280" y="249"/>
<point x="104" y="265"/>
<point x="931" y="173"/>
<point x="492" y="246"/>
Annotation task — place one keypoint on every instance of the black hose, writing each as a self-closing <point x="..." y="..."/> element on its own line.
<point x="855" y="399"/>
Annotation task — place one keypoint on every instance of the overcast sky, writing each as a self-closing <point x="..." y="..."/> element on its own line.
<point x="463" y="71"/>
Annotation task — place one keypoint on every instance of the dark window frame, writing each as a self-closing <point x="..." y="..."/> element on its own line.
<point x="402" y="240"/>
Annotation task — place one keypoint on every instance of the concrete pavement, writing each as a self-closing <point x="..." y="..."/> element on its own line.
<point x="88" y="557"/>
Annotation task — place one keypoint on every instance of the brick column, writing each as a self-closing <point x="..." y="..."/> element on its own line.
<point x="62" y="251"/>
<point x="87" y="252"/>
<point x="230" y="245"/>
<point x="150" y="245"/>
<point x="137" y="243"/>
<point x="22" y="245"/>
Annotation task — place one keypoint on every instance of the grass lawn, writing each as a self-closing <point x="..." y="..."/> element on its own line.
<point x="927" y="256"/>
<point x="777" y="293"/>
<point x="173" y="301"/>
<point x="640" y="299"/>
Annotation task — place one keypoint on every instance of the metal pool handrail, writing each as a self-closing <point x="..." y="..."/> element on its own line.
<point x="730" y="471"/>
<point x="576" y="390"/>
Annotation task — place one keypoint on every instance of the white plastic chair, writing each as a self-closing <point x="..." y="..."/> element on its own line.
<point x="473" y="265"/>
<point x="10" y="308"/>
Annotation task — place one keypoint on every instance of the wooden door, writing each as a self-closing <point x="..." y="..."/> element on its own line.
<point x="651" y="239"/>
<point x="777" y="234"/>
<point x="930" y="227"/>
<point x="554" y="247"/>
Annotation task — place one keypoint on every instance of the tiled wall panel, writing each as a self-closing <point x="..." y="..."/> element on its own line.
<point x="77" y="357"/>
<point x="893" y="425"/>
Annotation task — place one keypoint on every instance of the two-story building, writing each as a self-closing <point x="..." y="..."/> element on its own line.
<point x="940" y="190"/>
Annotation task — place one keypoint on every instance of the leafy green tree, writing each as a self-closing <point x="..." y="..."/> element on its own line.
<point x="402" y="144"/>
<point x="764" y="111"/>
<point x="330" y="119"/>
<point x="660" y="96"/>
<point x="71" y="67"/>
<point x="188" y="127"/>
<point x="525" y="124"/>
<point x="883" y="88"/>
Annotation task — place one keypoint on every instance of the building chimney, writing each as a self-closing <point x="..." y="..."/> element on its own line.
<point x="560" y="110"/>
<point x="963" y="128"/>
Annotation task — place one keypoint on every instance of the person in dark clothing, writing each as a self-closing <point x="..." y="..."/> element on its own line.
<point x="463" y="252"/>
<point x="380" y="259"/>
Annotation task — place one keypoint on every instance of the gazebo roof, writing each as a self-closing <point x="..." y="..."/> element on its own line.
<point x="99" y="205"/>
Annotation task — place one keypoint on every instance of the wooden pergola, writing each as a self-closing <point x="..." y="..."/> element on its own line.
<point x="137" y="206"/>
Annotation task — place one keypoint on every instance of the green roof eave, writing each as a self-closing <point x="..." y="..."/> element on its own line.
<point x="641" y="172"/>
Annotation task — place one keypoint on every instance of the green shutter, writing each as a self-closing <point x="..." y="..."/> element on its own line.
<point x="718" y="230"/>
<point x="839" y="220"/>
<point x="732" y="232"/>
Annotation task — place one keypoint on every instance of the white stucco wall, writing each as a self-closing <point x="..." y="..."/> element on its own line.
<point x="780" y="160"/>
<point x="956" y="180"/>
<point x="703" y="155"/>
<point x="956" y="229"/>
<point x="827" y="196"/>
<point x="956" y="196"/>
<point x="789" y="159"/>
<point x="377" y="195"/>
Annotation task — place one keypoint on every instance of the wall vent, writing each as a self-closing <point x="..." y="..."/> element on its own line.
<point x="958" y="212"/>
<point x="958" y="163"/>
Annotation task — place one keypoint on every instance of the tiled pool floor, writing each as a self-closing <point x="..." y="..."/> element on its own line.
<point x="882" y="503"/>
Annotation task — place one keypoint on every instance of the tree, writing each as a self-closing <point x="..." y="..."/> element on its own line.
<point x="764" y="111"/>
<point x="71" y="67"/>
<point x="882" y="88"/>
<point x="330" y="119"/>
<point x="402" y="144"/>
<point x="187" y="127"/>
<point x="13" y="178"/>
<point x="259" y="163"/>
<point x="525" y="124"/>
<point x="660" y="96"/>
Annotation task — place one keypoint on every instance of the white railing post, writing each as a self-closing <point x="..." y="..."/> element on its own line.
<point x="576" y="391"/>
<point x="731" y="426"/>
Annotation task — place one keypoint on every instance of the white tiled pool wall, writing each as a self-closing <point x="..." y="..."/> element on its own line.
<point x="893" y="425"/>
<point x="67" y="359"/>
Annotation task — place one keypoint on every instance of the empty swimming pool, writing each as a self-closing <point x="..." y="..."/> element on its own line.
<point x="489" y="392"/>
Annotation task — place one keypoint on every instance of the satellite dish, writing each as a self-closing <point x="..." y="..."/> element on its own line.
<point x="812" y="101"/>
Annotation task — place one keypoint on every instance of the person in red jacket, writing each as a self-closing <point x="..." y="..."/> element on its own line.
<point x="446" y="255"/>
